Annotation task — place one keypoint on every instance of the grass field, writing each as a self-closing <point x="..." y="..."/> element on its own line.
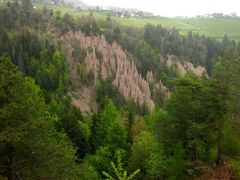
<point x="210" y="27"/>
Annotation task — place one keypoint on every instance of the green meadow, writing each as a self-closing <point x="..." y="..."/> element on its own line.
<point x="212" y="27"/>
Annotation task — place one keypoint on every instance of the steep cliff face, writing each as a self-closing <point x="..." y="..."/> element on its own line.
<point x="104" y="60"/>
<point x="183" y="66"/>
<point x="157" y="85"/>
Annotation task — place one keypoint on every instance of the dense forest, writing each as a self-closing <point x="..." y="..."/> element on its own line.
<point x="193" y="131"/>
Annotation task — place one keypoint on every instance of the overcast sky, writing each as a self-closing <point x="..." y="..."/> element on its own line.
<point x="174" y="7"/>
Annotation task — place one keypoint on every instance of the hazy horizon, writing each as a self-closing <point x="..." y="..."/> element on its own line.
<point x="171" y="8"/>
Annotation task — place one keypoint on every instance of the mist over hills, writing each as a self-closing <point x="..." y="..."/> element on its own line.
<point x="160" y="8"/>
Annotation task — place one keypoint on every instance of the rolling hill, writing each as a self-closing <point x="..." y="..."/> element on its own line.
<point x="212" y="27"/>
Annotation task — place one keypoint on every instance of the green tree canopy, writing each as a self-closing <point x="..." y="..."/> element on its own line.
<point x="30" y="147"/>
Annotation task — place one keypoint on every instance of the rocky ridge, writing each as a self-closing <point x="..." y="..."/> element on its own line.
<point x="113" y="62"/>
<point x="184" y="66"/>
<point x="158" y="85"/>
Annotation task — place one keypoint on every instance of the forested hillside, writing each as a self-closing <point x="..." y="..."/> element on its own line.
<point x="86" y="98"/>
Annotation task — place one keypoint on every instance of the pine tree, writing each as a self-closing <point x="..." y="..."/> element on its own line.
<point x="30" y="146"/>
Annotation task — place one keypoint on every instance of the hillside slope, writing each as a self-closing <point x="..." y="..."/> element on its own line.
<point x="103" y="60"/>
<point x="212" y="27"/>
<point x="112" y="61"/>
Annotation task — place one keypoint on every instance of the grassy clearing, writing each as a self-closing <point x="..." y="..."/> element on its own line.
<point x="210" y="27"/>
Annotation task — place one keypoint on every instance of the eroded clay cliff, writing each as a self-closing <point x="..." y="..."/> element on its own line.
<point x="183" y="66"/>
<point x="113" y="61"/>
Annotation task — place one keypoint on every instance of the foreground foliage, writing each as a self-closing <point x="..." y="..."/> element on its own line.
<point x="30" y="145"/>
